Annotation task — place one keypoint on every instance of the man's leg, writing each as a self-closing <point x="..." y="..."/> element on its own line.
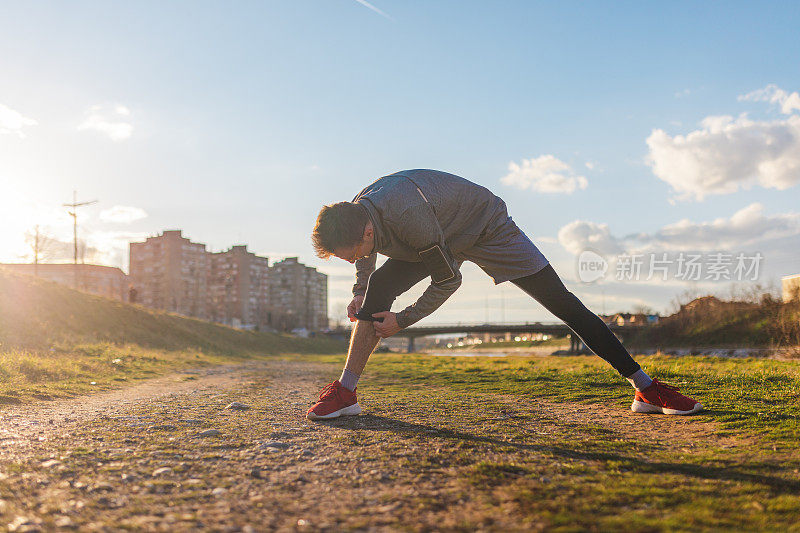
<point x="392" y="279"/>
<point x="651" y="395"/>
<point x="385" y="284"/>
<point x="547" y="288"/>
<point x="362" y="343"/>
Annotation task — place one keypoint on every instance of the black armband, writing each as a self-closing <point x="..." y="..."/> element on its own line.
<point x="438" y="264"/>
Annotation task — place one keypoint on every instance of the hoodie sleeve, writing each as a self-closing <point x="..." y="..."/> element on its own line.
<point x="364" y="268"/>
<point x="417" y="227"/>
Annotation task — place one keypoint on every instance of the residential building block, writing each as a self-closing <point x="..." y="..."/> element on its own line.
<point x="238" y="288"/>
<point x="171" y="273"/>
<point x="298" y="295"/>
<point x="234" y="287"/>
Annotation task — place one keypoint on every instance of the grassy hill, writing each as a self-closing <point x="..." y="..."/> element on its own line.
<point x="709" y="321"/>
<point x="52" y="336"/>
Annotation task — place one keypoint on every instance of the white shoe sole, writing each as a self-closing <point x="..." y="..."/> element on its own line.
<point x="644" y="407"/>
<point x="354" y="409"/>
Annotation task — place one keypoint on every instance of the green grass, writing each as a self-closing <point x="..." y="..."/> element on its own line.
<point x="757" y="396"/>
<point x="576" y="475"/>
<point x="69" y="370"/>
<point x="584" y="476"/>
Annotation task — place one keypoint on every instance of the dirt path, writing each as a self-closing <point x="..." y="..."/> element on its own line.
<point x="37" y="422"/>
<point x="138" y="458"/>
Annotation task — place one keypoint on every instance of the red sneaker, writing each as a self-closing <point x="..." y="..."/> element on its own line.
<point x="662" y="398"/>
<point x="334" y="401"/>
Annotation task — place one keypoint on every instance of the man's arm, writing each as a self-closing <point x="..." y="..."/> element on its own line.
<point x="364" y="269"/>
<point x="418" y="228"/>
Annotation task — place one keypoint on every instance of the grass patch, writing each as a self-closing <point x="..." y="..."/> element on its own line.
<point x="489" y="473"/>
<point x="756" y="396"/>
<point x="57" y="342"/>
<point x="45" y="375"/>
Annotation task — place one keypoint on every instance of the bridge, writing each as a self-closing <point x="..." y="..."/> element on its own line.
<point x="548" y="328"/>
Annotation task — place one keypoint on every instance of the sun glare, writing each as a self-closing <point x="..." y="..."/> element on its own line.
<point x="20" y="216"/>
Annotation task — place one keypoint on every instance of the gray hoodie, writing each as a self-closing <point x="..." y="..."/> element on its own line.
<point x="413" y="210"/>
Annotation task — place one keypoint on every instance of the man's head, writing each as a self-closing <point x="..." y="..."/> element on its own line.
<point x="343" y="230"/>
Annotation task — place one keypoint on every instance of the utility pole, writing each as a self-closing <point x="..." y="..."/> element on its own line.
<point x="36" y="252"/>
<point x="74" y="214"/>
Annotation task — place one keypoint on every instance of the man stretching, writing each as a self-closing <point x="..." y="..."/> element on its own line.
<point x="427" y="223"/>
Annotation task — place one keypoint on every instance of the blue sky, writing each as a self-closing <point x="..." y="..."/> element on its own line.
<point x="236" y="122"/>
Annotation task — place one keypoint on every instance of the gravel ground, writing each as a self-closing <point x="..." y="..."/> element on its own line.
<point x="173" y="455"/>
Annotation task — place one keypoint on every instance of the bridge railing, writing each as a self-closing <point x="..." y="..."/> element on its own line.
<point x="461" y="326"/>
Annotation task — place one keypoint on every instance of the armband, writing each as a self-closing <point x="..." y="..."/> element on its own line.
<point x="437" y="263"/>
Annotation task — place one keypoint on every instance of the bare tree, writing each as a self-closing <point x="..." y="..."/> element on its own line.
<point x="44" y="248"/>
<point x="785" y="327"/>
<point x="683" y="298"/>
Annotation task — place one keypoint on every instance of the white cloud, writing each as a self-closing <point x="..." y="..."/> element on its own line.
<point x="545" y="173"/>
<point x="727" y="154"/>
<point x="12" y="121"/>
<point x="122" y="214"/>
<point x="774" y="95"/>
<point x="580" y="235"/>
<point x="746" y="228"/>
<point x="112" y="121"/>
<point x="111" y="247"/>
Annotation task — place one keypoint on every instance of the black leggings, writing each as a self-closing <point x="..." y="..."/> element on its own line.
<point x="395" y="277"/>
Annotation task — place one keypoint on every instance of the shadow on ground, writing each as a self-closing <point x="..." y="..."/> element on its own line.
<point x="750" y="474"/>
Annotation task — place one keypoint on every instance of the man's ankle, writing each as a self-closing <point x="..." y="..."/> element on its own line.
<point x="640" y="380"/>
<point x="349" y="380"/>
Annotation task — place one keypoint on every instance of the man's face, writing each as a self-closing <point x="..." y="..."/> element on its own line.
<point x="359" y="250"/>
<point x="354" y="253"/>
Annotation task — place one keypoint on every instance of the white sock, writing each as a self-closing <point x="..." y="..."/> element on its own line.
<point x="640" y="380"/>
<point x="348" y="380"/>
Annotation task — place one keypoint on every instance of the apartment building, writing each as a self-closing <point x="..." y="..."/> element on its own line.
<point x="110" y="282"/>
<point x="171" y="273"/>
<point x="234" y="287"/>
<point x="238" y="292"/>
<point x="298" y="295"/>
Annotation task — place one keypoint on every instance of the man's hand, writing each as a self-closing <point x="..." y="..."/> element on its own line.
<point x="388" y="327"/>
<point x="354" y="307"/>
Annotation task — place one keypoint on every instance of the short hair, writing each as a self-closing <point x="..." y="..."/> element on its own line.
<point x="339" y="225"/>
